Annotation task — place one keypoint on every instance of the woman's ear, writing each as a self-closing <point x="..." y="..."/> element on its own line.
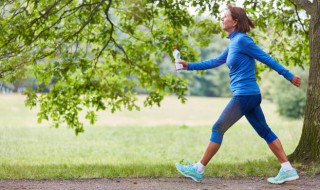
<point x="235" y="22"/>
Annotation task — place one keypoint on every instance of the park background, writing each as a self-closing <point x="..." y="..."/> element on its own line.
<point x="82" y="57"/>
<point x="150" y="141"/>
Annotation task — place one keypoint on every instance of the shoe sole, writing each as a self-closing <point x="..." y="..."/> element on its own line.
<point x="194" y="179"/>
<point x="285" y="180"/>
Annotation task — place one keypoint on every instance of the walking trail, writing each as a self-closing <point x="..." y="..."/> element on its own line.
<point x="242" y="183"/>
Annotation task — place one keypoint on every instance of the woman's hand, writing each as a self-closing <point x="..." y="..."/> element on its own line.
<point x="184" y="63"/>
<point x="296" y="81"/>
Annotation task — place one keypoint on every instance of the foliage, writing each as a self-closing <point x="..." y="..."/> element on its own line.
<point x="290" y="101"/>
<point x="285" y="24"/>
<point x="95" y="53"/>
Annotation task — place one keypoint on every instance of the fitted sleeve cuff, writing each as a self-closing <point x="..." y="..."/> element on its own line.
<point x="190" y="66"/>
<point x="289" y="76"/>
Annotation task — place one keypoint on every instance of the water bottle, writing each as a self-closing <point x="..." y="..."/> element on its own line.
<point x="176" y="55"/>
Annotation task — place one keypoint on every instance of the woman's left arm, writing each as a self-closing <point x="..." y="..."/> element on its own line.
<point x="251" y="49"/>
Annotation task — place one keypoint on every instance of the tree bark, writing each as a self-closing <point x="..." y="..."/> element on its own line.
<point x="308" y="149"/>
<point x="305" y="4"/>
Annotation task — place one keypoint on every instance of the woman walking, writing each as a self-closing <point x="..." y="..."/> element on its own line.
<point x="240" y="58"/>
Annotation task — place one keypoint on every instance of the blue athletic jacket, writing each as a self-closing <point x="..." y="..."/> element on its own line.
<point x="240" y="58"/>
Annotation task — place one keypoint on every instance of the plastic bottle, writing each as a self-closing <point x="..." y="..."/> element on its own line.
<point x="176" y="55"/>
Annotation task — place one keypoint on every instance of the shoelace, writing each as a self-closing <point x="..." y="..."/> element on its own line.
<point x="282" y="172"/>
<point x="189" y="165"/>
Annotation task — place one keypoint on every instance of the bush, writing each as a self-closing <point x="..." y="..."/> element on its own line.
<point x="291" y="101"/>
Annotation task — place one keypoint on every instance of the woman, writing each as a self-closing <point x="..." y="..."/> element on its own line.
<point x="240" y="58"/>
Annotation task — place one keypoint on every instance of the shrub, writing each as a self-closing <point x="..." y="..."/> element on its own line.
<point x="291" y="101"/>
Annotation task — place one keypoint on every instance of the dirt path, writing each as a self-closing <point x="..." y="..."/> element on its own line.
<point x="258" y="183"/>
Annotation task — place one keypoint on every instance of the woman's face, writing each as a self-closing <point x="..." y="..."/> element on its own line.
<point x="227" y="23"/>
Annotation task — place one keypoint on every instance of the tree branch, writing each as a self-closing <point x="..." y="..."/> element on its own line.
<point x="87" y="22"/>
<point x="129" y="34"/>
<point x="111" y="32"/>
<point x="152" y="25"/>
<point x="63" y="15"/>
<point x="305" y="4"/>
<point x="112" y="28"/>
<point x="33" y="22"/>
<point x="12" y="68"/>
<point x="45" y="14"/>
<point x="17" y="12"/>
<point x="299" y="19"/>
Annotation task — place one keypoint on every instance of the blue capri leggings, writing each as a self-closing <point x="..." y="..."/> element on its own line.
<point x="244" y="105"/>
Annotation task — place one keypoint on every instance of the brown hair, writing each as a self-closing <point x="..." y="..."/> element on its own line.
<point x="239" y="14"/>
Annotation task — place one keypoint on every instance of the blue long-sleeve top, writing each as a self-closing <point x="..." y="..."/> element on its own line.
<point x="240" y="58"/>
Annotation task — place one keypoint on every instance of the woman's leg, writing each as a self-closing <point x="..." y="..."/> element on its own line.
<point x="258" y="122"/>
<point x="278" y="151"/>
<point x="286" y="173"/>
<point x="211" y="150"/>
<point x="230" y="115"/>
<point x="237" y="107"/>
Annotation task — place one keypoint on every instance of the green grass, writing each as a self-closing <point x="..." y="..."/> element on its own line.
<point x="136" y="144"/>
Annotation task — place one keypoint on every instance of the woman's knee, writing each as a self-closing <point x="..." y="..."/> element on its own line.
<point x="221" y="126"/>
<point x="267" y="134"/>
<point x="216" y="137"/>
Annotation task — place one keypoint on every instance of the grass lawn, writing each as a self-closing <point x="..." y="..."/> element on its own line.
<point x="135" y="144"/>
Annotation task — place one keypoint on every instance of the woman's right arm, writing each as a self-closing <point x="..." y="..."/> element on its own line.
<point x="209" y="64"/>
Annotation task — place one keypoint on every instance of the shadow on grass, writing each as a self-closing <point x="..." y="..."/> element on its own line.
<point x="268" y="167"/>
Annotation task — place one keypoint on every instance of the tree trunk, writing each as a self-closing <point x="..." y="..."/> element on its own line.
<point x="308" y="150"/>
